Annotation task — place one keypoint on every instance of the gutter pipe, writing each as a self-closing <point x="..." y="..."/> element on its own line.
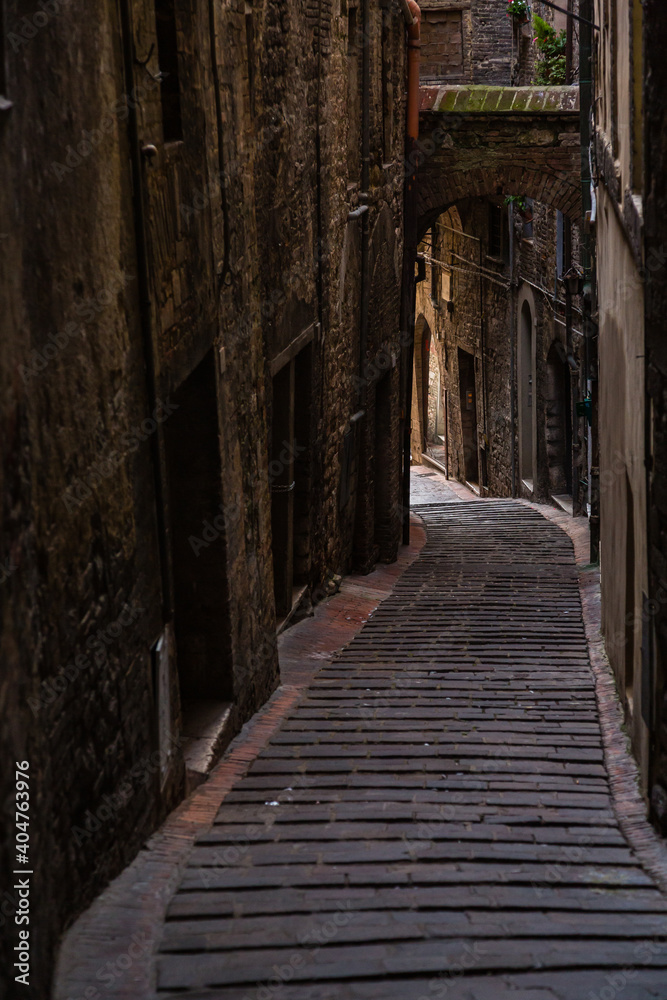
<point x="412" y="15"/>
<point x="145" y="308"/>
<point x="363" y="195"/>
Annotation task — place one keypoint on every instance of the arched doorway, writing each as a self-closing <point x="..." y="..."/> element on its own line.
<point x="558" y="421"/>
<point x="469" y="436"/>
<point x="425" y="382"/>
<point x="422" y="358"/>
<point x="525" y="396"/>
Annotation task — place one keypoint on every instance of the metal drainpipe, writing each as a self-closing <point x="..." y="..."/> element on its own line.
<point x="145" y="308"/>
<point x="412" y="15"/>
<point x="510" y="213"/>
<point x="363" y="194"/>
<point x="483" y="479"/>
<point x="223" y="268"/>
<point x="586" y="103"/>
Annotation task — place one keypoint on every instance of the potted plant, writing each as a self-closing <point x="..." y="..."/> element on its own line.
<point x="519" y="10"/>
<point x="521" y="205"/>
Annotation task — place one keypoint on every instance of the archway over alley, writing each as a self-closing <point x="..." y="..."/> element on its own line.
<point x="480" y="141"/>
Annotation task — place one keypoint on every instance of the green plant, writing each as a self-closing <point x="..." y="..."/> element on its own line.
<point x="518" y="200"/>
<point x="551" y="43"/>
<point x="518" y="8"/>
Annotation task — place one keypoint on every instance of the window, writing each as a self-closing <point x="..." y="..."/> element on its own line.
<point x="441" y="45"/>
<point x="495" y="231"/>
<point x="528" y="220"/>
<point x="167" y="50"/>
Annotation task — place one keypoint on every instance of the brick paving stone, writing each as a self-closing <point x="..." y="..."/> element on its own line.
<point x="441" y="807"/>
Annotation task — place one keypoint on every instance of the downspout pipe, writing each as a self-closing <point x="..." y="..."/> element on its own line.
<point x="510" y="214"/>
<point x="363" y="196"/>
<point x="414" y="47"/>
<point x="590" y="364"/>
<point x="412" y="15"/>
<point x="145" y="308"/>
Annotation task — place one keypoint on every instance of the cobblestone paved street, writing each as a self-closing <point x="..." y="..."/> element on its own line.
<point x="434" y="818"/>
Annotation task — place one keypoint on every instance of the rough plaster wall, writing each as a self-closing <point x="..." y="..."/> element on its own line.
<point x="621" y="297"/>
<point x="655" y="16"/>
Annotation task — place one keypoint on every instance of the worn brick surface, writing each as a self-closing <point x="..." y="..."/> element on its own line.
<point x="443" y="923"/>
<point x="315" y="873"/>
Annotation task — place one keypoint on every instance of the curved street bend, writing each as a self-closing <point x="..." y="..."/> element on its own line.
<point x="436" y="816"/>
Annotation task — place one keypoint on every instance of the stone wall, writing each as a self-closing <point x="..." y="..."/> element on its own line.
<point x="474" y="41"/>
<point x="497" y="265"/>
<point x="156" y="262"/>
<point x="482" y="318"/>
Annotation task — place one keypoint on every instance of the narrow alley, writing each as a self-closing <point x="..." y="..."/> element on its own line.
<point x="434" y="816"/>
<point x="333" y="470"/>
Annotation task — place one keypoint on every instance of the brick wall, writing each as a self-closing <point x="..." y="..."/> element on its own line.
<point x="459" y="327"/>
<point x="474" y="41"/>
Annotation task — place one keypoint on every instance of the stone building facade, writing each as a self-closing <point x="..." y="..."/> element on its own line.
<point x="201" y="422"/>
<point x="629" y="174"/>
<point x="503" y="333"/>
<point x="507" y="373"/>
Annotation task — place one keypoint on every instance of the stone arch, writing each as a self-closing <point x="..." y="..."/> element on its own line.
<point x="438" y="191"/>
<point x="452" y="218"/>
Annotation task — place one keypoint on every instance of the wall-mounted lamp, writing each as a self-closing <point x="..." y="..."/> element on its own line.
<point x="573" y="281"/>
